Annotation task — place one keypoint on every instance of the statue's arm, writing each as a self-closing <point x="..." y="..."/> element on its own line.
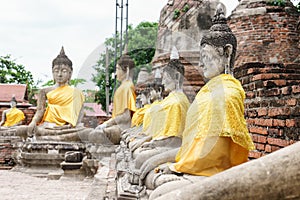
<point x="41" y="106"/>
<point x="3" y="117"/>
<point x="80" y="116"/>
<point x="40" y="110"/>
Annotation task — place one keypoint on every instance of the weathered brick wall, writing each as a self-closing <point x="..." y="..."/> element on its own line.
<point x="271" y="37"/>
<point x="272" y="106"/>
<point x="267" y="66"/>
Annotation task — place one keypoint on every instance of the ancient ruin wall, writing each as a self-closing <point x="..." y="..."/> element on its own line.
<point x="267" y="64"/>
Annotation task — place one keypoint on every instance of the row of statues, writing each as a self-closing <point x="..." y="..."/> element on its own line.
<point x="167" y="138"/>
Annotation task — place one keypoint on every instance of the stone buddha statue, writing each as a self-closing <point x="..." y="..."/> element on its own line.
<point x="59" y="107"/>
<point x="109" y="132"/>
<point x="216" y="137"/>
<point x="164" y="121"/>
<point x="13" y="116"/>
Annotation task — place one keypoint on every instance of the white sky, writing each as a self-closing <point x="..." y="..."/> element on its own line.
<point x="33" y="31"/>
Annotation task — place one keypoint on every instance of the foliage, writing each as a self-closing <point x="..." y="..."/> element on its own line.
<point x="11" y="72"/>
<point x="141" y="48"/>
<point x="298" y="7"/>
<point x="185" y="8"/>
<point x="73" y="82"/>
<point x="280" y="3"/>
<point x="176" y="14"/>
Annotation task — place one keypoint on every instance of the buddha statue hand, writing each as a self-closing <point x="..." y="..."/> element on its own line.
<point x="165" y="169"/>
<point x="101" y="126"/>
<point x="138" y="143"/>
<point x="31" y="129"/>
<point x="147" y="146"/>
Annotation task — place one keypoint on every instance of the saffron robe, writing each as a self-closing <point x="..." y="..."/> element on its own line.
<point x="167" y="117"/>
<point x="124" y="98"/>
<point x="13" y="116"/>
<point x="216" y="136"/>
<point x="64" y="105"/>
<point x="138" y="116"/>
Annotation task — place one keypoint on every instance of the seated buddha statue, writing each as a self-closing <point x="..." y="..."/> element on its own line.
<point x="59" y="107"/>
<point x="123" y="108"/>
<point x="215" y="137"/>
<point x="13" y="116"/>
<point x="164" y="121"/>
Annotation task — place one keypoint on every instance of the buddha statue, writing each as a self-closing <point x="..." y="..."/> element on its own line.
<point x="164" y="121"/>
<point x="216" y="137"/>
<point x="124" y="100"/>
<point x="59" y="107"/>
<point x="13" y="116"/>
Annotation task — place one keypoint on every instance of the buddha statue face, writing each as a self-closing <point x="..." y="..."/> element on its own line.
<point x="61" y="74"/>
<point x="168" y="82"/>
<point x="218" y="47"/>
<point x="214" y="59"/>
<point x="120" y="73"/>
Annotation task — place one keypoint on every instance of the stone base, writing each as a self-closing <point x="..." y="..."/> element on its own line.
<point x="9" y="144"/>
<point x="126" y="191"/>
<point x="47" y="153"/>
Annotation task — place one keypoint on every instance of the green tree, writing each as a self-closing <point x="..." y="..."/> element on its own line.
<point x="11" y="72"/>
<point x="141" y="48"/>
<point x="73" y="82"/>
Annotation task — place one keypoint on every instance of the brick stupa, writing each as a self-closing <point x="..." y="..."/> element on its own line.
<point x="267" y="64"/>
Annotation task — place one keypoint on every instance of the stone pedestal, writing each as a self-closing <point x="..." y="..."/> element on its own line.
<point x="47" y="153"/>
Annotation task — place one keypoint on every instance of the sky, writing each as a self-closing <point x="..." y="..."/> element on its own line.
<point x="34" y="31"/>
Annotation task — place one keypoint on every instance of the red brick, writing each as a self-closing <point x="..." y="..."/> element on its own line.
<point x="279" y="112"/>
<point x="296" y="89"/>
<point x="262" y="112"/>
<point x="251" y="113"/>
<point x="261" y="139"/>
<point x="254" y="154"/>
<point x="263" y="122"/>
<point x="290" y="122"/>
<point x="265" y="77"/>
<point x="286" y="90"/>
<point x="259" y="146"/>
<point x="278" y="122"/>
<point x="278" y="142"/>
<point x="291" y="102"/>
<point x="268" y="148"/>
<point x="259" y="130"/>
<point x="272" y="83"/>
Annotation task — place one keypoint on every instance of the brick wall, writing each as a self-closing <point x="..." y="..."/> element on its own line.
<point x="272" y="106"/>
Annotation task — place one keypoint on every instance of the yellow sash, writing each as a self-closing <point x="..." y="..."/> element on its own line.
<point x="138" y="116"/>
<point x="218" y="110"/>
<point x="124" y="98"/>
<point x="166" y="118"/>
<point x="64" y="105"/>
<point x="13" y="116"/>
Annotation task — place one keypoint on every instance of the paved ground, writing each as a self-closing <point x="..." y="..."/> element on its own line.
<point x="32" y="186"/>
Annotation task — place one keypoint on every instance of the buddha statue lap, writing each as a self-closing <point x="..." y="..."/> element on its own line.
<point x="59" y="107"/>
<point x="216" y="137"/>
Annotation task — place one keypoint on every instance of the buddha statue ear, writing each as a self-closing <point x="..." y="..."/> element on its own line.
<point x="177" y="79"/>
<point x="228" y="49"/>
<point x="127" y="72"/>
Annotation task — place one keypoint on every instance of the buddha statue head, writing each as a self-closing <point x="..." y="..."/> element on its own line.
<point x="13" y="102"/>
<point x="124" y="68"/>
<point x="173" y="73"/>
<point x="62" y="68"/>
<point x="218" y="47"/>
